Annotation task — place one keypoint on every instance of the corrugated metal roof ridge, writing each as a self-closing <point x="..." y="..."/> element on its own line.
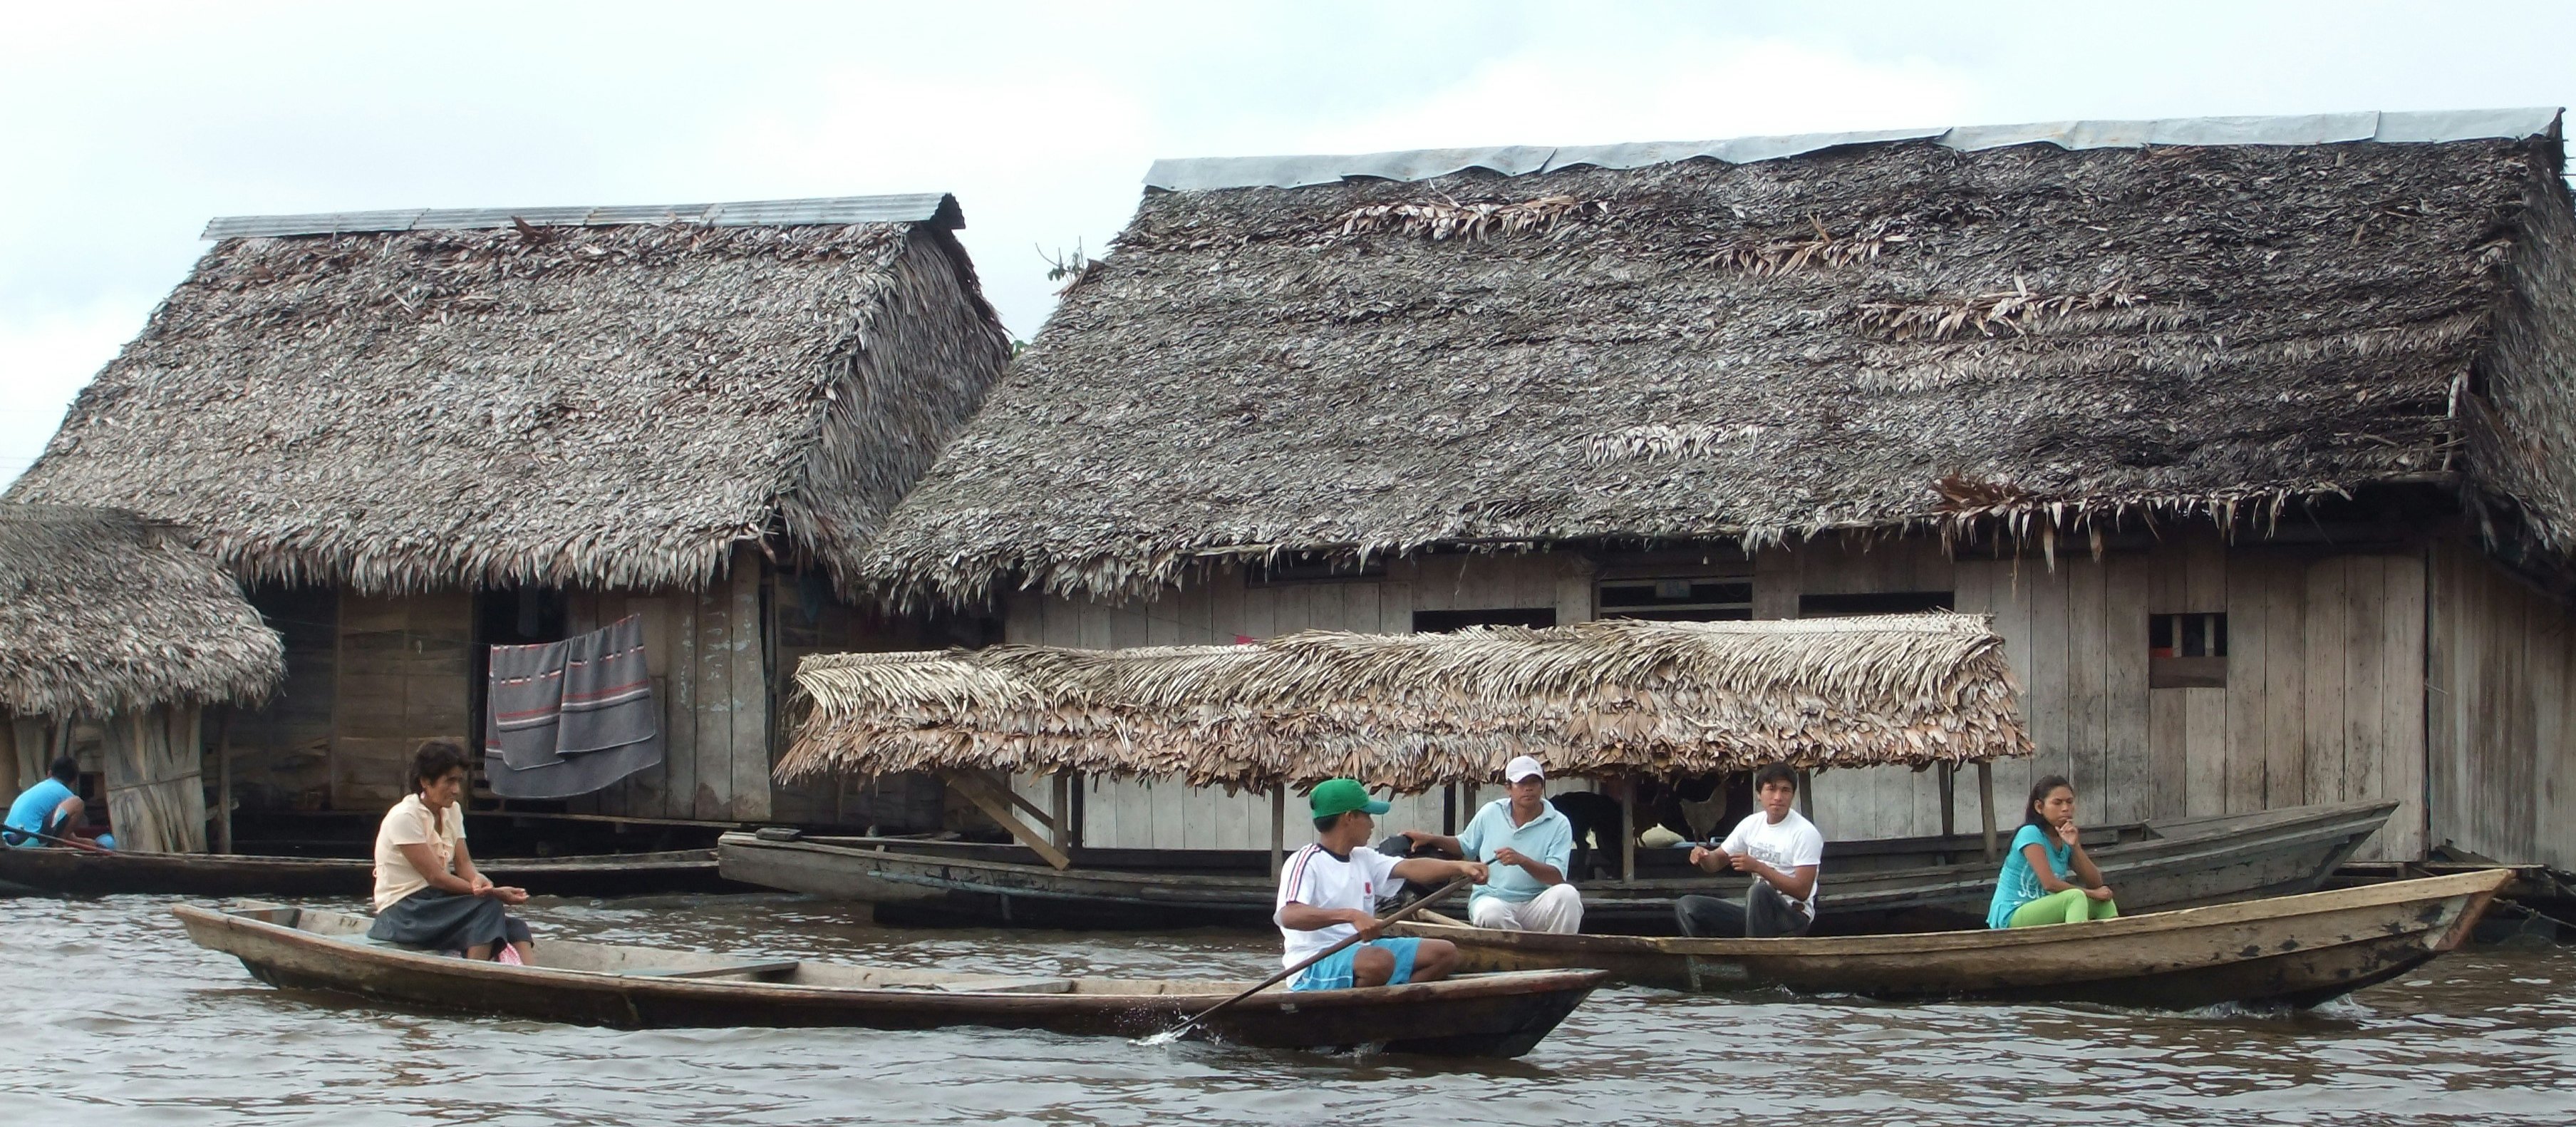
<point x="2393" y="127"/>
<point x="919" y="207"/>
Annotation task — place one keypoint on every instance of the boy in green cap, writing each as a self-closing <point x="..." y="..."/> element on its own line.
<point x="1330" y="889"/>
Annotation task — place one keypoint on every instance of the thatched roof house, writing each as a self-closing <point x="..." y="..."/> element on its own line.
<point x="419" y="433"/>
<point x="603" y="397"/>
<point x="102" y="612"/>
<point x="1758" y="340"/>
<point x="1412" y="712"/>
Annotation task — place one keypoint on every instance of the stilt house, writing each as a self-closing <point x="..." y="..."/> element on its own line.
<point x="2252" y="435"/>
<point x="419" y="433"/>
<point x="115" y="636"/>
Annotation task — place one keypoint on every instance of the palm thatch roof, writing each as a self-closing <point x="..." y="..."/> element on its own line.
<point x="2050" y="327"/>
<point x="560" y="397"/>
<point x="101" y="611"/>
<point x="1413" y="711"/>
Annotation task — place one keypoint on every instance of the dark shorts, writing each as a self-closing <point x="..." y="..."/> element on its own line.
<point x="445" y="921"/>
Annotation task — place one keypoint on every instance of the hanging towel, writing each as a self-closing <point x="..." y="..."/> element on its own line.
<point x="573" y="716"/>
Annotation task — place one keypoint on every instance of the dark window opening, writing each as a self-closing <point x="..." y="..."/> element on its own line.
<point x="1874" y="602"/>
<point x="1677" y="600"/>
<point x="1310" y="568"/>
<point x="1444" y="621"/>
<point x="2187" y="651"/>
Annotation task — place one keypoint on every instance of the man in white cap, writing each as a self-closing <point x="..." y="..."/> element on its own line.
<point x="1525" y="844"/>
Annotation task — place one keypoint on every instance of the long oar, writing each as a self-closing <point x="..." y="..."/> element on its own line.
<point x="1396" y="916"/>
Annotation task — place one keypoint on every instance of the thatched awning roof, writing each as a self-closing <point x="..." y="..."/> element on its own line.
<point x="102" y="612"/>
<point x="563" y="397"/>
<point x="1762" y="340"/>
<point x="1412" y="711"/>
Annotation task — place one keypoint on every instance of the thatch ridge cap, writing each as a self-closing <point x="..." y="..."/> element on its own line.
<point x="1192" y="174"/>
<point x="939" y="209"/>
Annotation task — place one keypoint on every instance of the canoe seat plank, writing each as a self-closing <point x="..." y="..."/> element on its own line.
<point x="781" y="967"/>
<point x="998" y="984"/>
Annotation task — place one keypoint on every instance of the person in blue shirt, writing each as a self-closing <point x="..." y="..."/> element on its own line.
<point x="2047" y="878"/>
<point x="49" y="807"/>
<point x="1525" y="844"/>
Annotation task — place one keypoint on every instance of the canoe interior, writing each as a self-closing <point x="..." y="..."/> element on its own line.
<point x="74" y="872"/>
<point x="1873" y="887"/>
<point x="1495" y="1015"/>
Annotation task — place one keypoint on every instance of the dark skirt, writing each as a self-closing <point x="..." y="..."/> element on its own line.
<point x="445" y="921"/>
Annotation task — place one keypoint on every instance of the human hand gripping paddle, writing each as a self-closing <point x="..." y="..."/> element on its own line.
<point x="1397" y="916"/>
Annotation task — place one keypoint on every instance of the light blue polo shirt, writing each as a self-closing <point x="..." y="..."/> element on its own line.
<point x="1548" y="837"/>
<point x="33" y="807"/>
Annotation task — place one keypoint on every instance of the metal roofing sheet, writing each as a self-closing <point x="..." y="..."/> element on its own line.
<point x="927" y="207"/>
<point x="2304" y="129"/>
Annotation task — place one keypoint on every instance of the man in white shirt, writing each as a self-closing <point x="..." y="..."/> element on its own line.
<point x="1329" y="890"/>
<point x="1780" y="849"/>
<point x="1526" y="843"/>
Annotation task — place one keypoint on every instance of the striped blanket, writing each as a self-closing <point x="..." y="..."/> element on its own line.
<point x="569" y="717"/>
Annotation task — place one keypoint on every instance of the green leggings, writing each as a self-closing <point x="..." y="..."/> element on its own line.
<point x="2068" y="907"/>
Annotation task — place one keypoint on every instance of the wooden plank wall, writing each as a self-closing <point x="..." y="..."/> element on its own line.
<point x="2324" y="700"/>
<point x="1127" y="813"/>
<point x="2503" y="670"/>
<point x="712" y="670"/>
<point x="402" y="672"/>
<point x="282" y="750"/>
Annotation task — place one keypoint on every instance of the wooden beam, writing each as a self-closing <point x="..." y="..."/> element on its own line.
<point x="1627" y="830"/>
<point x="1948" y="781"/>
<point x="1278" y="828"/>
<point x="1986" y="804"/>
<point x="1060" y="820"/>
<point x="980" y="792"/>
<point x="224" y="781"/>
<point x="1807" y="795"/>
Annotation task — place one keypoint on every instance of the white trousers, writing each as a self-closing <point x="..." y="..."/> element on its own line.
<point x="1559" y="909"/>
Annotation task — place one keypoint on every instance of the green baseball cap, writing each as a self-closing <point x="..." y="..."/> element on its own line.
<point x="1341" y="796"/>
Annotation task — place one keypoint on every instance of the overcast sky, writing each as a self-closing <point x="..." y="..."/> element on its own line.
<point x="124" y="127"/>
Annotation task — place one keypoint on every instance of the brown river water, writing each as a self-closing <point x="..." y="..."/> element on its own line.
<point x="120" y="1020"/>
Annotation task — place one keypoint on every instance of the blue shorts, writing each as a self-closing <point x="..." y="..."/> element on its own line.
<point x="1335" y="973"/>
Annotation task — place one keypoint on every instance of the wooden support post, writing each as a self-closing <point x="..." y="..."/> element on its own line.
<point x="1627" y="830"/>
<point x="1449" y="809"/>
<point x="1278" y="828"/>
<point x="1060" y="793"/>
<point x="1986" y="804"/>
<point x="224" y="781"/>
<point x="1807" y="795"/>
<point x="1948" y="781"/>
<point x="997" y="806"/>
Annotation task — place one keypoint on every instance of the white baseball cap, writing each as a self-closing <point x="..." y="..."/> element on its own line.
<point x="1522" y="767"/>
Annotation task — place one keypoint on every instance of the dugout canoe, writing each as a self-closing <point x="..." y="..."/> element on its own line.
<point x="2279" y="951"/>
<point x="1893" y="885"/>
<point x="79" y="872"/>
<point x="1497" y="1015"/>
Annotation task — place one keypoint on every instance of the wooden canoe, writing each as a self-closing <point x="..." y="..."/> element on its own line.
<point x="78" y="872"/>
<point x="2285" y="950"/>
<point x="1911" y="884"/>
<point x="1498" y="1015"/>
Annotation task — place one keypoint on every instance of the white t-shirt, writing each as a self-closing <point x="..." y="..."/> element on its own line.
<point x="412" y="822"/>
<point x="1318" y="879"/>
<point x="1785" y="845"/>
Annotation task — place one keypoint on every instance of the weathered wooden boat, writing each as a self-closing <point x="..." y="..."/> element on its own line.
<point x="1908" y="884"/>
<point x="2284" y="950"/>
<point x="1499" y="1015"/>
<point x="78" y="872"/>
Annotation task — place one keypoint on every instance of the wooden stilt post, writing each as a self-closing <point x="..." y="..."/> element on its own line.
<point x="1948" y="780"/>
<point x="1060" y="805"/>
<point x="1627" y="830"/>
<point x="1278" y="828"/>
<point x="1986" y="804"/>
<point x="224" y="781"/>
<point x="1807" y="795"/>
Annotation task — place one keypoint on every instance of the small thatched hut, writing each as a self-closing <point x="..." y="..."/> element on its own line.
<point x="114" y="636"/>
<point x="2253" y="435"/>
<point x="417" y="433"/>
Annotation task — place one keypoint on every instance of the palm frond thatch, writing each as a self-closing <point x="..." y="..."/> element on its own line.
<point x="605" y="405"/>
<point x="101" y="611"/>
<point x="1412" y="711"/>
<point x="2092" y="334"/>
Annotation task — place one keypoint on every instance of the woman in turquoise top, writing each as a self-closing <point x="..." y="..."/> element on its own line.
<point x="2047" y="879"/>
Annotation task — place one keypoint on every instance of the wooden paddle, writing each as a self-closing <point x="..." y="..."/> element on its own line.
<point x="1396" y="916"/>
